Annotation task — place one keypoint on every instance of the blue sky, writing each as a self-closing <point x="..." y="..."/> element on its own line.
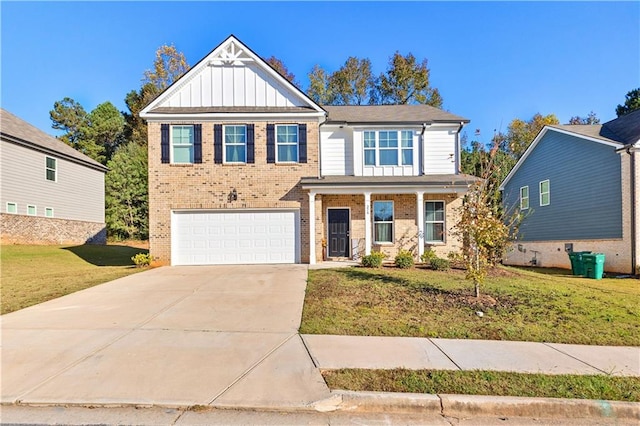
<point x="491" y="61"/>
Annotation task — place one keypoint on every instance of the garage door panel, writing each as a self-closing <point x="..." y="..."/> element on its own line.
<point x="200" y="238"/>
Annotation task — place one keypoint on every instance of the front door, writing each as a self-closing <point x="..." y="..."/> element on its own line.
<point x="338" y="232"/>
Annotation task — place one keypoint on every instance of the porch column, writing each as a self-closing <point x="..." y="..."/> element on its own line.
<point x="420" y="220"/>
<point x="367" y="223"/>
<point x="312" y="228"/>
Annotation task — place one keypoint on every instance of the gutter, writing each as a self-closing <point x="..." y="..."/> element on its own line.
<point x="632" y="184"/>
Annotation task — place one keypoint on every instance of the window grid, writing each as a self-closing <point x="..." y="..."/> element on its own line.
<point x="524" y="198"/>
<point x="182" y="144"/>
<point x="545" y="193"/>
<point x="383" y="221"/>
<point x="51" y="168"/>
<point x="369" y="148"/>
<point x="287" y="143"/>
<point x="388" y="147"/>
<point x="235" y="140"/>
<point x="434" y="229"/>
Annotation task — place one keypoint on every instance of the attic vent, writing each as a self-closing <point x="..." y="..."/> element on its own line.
<point x="229" y="55"/>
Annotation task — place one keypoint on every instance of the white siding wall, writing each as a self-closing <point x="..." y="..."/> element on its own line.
<point x="440" y="150"/>
<point x="232" y="86"/>
<point x="78" y="193"/>
<point x="336" y="155"/>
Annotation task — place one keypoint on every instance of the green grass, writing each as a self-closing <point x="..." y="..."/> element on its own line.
<point x="486" y="383"/>
<point x="35" y="274"/>
<point x="518" y="304"/>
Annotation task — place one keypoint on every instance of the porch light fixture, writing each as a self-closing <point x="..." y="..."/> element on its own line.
<point x="233" y="195"/>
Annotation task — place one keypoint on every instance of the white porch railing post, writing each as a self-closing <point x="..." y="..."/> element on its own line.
<point x="420" y="220"/>
<point x="312" y="228"/>
<point x="367" y="223"/>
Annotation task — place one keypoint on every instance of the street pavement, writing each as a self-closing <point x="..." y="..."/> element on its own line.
<point x="225" y="337"/>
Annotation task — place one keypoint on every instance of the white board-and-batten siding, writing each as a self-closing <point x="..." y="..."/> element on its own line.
<point x="232" y="86"/>
<point x="440" y="150"/>
<point x="78" y="193"/>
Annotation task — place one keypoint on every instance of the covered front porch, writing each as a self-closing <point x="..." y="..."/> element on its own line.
<point x="352" y="216"/>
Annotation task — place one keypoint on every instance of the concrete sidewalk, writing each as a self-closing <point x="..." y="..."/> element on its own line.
<point x="334" y="352"/>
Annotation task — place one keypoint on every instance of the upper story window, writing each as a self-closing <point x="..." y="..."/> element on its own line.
<point x="388" y="148"/>
<point x="182" y="144"/>
<point x="235" y="142"/>
<point x="545" y="193"/>
<point x="383" y="221"/>
<point x="434" y="221"/>
<point x="51" y="169"/>
<point x="287" y="143"/>
<point x="524" y="198"/>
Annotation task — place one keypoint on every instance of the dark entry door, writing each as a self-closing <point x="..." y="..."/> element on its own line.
<point x="338" y="232"/>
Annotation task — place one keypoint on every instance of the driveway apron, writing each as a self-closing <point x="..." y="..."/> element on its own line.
<point x="172" y="336"/>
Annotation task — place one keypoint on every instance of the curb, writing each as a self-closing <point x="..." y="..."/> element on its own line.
<point x="462" y="406"/>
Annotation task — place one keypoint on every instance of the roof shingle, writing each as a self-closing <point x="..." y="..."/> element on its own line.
<point x="371" y="114"/>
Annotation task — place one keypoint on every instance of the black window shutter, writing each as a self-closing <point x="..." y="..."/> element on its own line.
<point x="217" y="143"/>
<point x="251" y="148"/>
<point x="302" y="143"/>
<point x="271" y="144"/>
<point x="197" y="143"/>
<point x="164" y="143"/>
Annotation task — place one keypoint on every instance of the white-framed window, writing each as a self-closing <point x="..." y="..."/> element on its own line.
<point x="12" y="207"/>
<point x="434" y="222"/>
<point x="388" y="147"/>
<point x="51" y="168"/>
<point x="287" y="143"/>
<point x="383" y="221"/>
<point x="524" y="198"/>
<point x="182" y="144"/>
<point x="545" y="193"/>
<point x="48" y="211"/>
<point x="235" y="143"/>
<point x="31" y="210"/>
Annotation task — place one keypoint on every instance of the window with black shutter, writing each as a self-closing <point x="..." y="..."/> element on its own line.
<point x="164" y="143"/>
<point x="271" y="144"/>
<point x="217" y="143"/>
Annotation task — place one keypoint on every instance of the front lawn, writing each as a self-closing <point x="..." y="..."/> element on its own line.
<point x="486" y="383"/>
<point x="35" y="274"/>
<point x="517" y="304"/>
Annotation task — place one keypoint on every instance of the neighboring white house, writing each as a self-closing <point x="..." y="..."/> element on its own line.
<point x="49" y="192"/>
<point x="246" y="168"/>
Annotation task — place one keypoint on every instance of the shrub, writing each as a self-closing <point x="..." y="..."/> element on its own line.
<point x="440" y="264"/>
<point x="404" y="259"/>
<point x="373" y="260"/>
<point x="141" y="259"/>
<point x="428" y="255"/>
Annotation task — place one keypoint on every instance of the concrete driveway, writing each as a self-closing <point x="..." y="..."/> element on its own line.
<point x="172" y="336"/>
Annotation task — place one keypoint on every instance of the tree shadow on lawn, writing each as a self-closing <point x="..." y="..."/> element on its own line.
<point x="106" y="255"/>
<point x="370" y="275"/>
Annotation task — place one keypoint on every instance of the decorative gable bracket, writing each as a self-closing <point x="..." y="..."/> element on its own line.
<point x="229" y="56"/>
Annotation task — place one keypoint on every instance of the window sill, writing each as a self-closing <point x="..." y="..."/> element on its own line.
<point x="181" y="164"/>
<point x="435" y="243"/>
<point x="386" y="243"/>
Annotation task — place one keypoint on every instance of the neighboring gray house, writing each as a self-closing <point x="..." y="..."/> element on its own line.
<point x="577" y="186"/>
<point x="49" y="192"/>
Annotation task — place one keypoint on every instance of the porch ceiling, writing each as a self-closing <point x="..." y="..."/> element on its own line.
<point x="435" y="184"/>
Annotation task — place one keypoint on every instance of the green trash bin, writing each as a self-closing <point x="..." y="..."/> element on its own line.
<point x="577" y="262"/>
<point x="593" y="265"/>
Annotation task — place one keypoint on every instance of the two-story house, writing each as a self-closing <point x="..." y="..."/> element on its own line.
<point x="245" y="168"/>
<point x="49" y="192"/>
<point x="577" y="189"/>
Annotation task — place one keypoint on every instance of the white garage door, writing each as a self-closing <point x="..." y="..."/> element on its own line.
<point x="234" y="237"/>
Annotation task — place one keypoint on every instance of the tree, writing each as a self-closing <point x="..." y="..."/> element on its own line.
<point x="126" y="193"/>
<point x="591" y="118"/>
<point x="319" y="89"/>
<point x="105" y="129"/>
<point x="521" y="133"/>
<point x="168" y="66"/>
<point x="484" y="227"/>
<point x="631" y="103"/>
<point x="135" y="129"/>
<point x="352" y="83"/>
<point x="69" y="116"/>
<point x="279" y="66"/>
<point x="406" y="81"/>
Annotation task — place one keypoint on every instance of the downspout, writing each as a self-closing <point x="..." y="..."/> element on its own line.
<point x="421" y="149"/>
<point x="632" y="184"/>
<point x="320" y="146"/>
<point x="458" y="148"/>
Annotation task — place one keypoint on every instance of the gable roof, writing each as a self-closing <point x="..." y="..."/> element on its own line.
<point x="381" y="114"/>
<point x="230" y="54"/>
<point x="616" y="133"/>
<point x="15" y="130"/>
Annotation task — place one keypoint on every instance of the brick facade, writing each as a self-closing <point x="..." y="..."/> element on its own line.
<point x="23" y="229"/>
<point x="206" y="186"/>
